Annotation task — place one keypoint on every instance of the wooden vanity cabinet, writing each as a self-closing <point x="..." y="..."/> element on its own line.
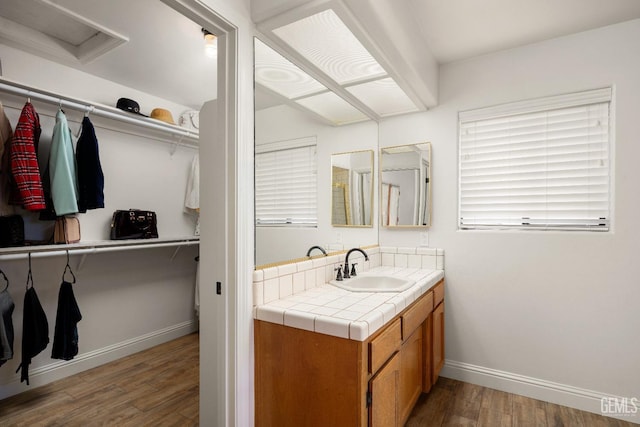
<point x="438" y="332"/>
<point x="304" y="378"/>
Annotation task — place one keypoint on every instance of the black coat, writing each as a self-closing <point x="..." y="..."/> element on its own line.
<point x="89" y="169"/>
<point x="65" y="337"/>
<point x="35" y="332"/>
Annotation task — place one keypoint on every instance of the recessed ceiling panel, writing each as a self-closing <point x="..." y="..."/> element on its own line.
<point x="50" y="29"/>
<point x="383" y="96"/>
<point x="47" y="20"/>
<point x="333" y="108"/>
<point x="275" y="72"/>
<point x="325" y="41"/>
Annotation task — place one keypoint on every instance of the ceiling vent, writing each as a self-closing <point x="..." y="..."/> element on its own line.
<point x="50" y="30"/>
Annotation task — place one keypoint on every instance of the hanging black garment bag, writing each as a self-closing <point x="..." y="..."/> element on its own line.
<point x="65" y="336"/>
<point x="35" y="328"/>
<point x="6" y="323"/>
<point x="35" y="332"/>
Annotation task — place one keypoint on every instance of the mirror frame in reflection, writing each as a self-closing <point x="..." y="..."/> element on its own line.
<point x="349" y="204"/>
<point x="405" y="167"/>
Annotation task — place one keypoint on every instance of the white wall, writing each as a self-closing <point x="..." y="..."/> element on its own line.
<point x="559" y="307"/>
<point x="129" y="300"/>
<point x="283" y="123"/>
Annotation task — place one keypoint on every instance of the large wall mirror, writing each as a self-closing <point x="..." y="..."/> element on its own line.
<point x="405" y="185"/>
<point x="281" y="120"/>
<point x="352" y="189"/>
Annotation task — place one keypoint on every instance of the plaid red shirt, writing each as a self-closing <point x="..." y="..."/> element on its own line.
<point x="24" y="161"/>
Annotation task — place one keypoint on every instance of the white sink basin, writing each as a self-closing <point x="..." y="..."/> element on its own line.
<point x="374" y="283"/>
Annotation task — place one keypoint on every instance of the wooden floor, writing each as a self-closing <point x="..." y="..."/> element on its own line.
<point x="159" y="387"/>
<point x="156" y="387"/>
<point x="454" y="403"/>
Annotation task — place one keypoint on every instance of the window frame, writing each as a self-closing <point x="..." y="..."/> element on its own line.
<point x="283" y="146"/>
<point x="540" y="105"/>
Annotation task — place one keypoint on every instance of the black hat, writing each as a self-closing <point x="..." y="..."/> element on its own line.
<point x="129" y="105"/>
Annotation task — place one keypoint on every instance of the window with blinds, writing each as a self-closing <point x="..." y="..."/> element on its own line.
<point x="539" y="164"/>
<point x="286" y="183"/>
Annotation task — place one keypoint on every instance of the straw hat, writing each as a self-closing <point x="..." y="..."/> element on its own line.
<point x="162" y="114"/>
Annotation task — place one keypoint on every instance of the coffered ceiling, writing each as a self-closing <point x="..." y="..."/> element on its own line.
<point x="153" y="48"/>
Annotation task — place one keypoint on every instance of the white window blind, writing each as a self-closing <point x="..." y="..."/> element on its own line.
<point x="540" y="164"/>
<point x="286" y="183"/>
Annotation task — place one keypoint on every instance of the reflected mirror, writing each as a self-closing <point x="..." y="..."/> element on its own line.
<point x="352" y="189"/>
<point x="281" y="122"/>
<point x="405" y="185"/>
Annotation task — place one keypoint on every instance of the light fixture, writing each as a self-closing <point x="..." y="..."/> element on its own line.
<point x="210" y="44"/>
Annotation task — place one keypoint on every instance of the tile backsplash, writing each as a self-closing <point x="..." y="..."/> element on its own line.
<point x="274" y="283"/>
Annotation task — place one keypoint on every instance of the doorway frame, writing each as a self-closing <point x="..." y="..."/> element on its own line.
<point x="226" y="331"/>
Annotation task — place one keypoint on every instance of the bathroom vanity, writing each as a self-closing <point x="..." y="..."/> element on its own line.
<point x="307" y="378"/>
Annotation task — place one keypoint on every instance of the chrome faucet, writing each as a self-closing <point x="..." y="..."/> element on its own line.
<point x="316" y="247"/>
<point x="346" y="274"/>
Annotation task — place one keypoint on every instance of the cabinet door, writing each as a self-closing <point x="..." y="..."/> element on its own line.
<point x="411" y="362"/>
<point x="427" y="363"/>
<point x="384" y="389"/>
<point x="438" y="341"/>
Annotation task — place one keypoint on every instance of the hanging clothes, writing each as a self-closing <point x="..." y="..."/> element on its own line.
<point x="35" y="332"/>
<point x="6" y="326"/>
<point x="6" y="133"/>
<point x="62" y="168"/>
<point x="65" y="337"/>
<point x="90" y="176"/>
<point x="192" y="206"/>
<point x="192" y="197"/>
<point x="24" y="161"/>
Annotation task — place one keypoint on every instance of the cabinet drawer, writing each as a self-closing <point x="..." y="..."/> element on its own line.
<point x="417" y="314"/>
<point x="438" y="293"/>
<point x="383" y="346"/>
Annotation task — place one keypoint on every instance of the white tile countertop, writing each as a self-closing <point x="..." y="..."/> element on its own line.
<point x="334" y="311"/>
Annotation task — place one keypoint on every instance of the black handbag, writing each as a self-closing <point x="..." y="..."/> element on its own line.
<point x="134" y="224"/>
<point x="11" y="231"/>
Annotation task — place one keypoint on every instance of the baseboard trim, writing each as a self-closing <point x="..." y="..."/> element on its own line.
<point x="548" y="391"/>
<point x="61" y="369"/>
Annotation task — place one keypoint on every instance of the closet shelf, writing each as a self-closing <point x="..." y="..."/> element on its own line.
<point x="186" y="136"/>
<point x="94" y="247"/>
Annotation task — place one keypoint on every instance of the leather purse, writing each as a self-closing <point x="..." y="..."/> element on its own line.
<point x="134" y="224"/>
<point x="11" y="231"/>
<point x="66" y="230"/>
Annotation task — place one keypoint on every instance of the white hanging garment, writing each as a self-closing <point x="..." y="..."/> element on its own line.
<point x="192" y="197"/>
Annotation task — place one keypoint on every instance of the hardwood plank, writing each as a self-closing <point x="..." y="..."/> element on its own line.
<point x="528" y="412"/>
<point x="453" y="420"/>
<point x="562" y="416"/>
<point x="468" y="398"/>
<point x="431" y="409"/>
<point x="497" y="401"/>
<point x="490" y="418"/>
<point x="162" y="380"/>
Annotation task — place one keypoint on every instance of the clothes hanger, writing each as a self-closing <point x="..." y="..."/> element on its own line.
<point x="89" y="110"/>
<point x="68" y="267"/>
<point x="178" y="142"/>
<point x="29" y="275"/>
<point x="6" y="280"/>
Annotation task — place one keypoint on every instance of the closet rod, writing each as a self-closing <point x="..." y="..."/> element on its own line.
<point x="99" y="110"/>
<point x="93" y="250"/>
